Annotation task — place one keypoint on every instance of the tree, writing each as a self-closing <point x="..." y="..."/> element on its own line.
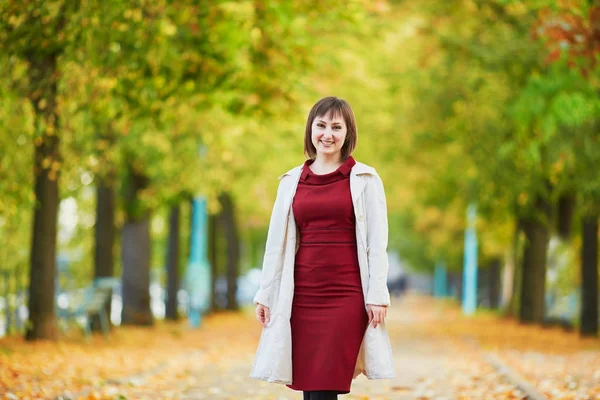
<point x="38" y="33"/>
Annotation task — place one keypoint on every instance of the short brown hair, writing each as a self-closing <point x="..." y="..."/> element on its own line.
<point x="332" y="107"/>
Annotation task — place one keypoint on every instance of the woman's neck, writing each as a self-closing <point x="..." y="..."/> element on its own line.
<point x="325" y="165"/>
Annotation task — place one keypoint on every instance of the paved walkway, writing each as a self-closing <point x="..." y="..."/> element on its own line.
<point x="427" y="366"/>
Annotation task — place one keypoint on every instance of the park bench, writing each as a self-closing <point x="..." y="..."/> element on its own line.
<point x="93" y="302"/>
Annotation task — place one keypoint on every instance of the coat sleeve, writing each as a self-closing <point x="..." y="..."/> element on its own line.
<point x="377" y="241"/>
<point x="272" y="261"/>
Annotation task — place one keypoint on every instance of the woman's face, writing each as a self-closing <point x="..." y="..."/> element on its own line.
<point x="328" y="134"/>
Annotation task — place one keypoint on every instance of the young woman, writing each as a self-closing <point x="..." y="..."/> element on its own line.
<point x="323" y="294"/>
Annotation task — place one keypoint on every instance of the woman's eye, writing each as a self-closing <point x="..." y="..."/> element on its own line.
<point x="321" y="125"/>
<point x="338" y="127"/>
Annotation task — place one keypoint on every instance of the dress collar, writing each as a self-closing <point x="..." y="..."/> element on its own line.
<point x="343" y="169"/>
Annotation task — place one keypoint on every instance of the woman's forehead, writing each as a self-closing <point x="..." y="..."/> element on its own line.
<point x="331" y="117"/>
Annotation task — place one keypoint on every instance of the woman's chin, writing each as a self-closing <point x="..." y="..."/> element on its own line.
<point x="328" y="151"/>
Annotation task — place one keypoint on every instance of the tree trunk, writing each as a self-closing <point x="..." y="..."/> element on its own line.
<point x="173" y="264"/>
<point x="589" y="276"/>
<point x="494" y="283"/>
<point x="105" y="236"/>
<point x="533" y="270"/>
<point x="512" y="307"/>
<point x="42" y="317"/>
<point x="233" y="250"/>
<point x="212" y="258"/>
<point x="566" y="210"/>
<point x="508" y="277"/>
<point x="135" y="252"/>
<point x="455" y="282"/>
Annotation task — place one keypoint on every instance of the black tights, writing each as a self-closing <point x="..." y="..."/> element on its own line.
<point x="320" y="395"/>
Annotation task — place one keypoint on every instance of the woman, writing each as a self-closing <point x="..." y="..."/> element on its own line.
<point x="323" y="296"/>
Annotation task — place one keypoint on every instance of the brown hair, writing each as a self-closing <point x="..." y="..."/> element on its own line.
<point x="332" y="107"/>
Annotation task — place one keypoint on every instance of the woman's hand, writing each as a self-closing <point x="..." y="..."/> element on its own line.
<point x="376" y="314"/>
<point x="263" y="315"/>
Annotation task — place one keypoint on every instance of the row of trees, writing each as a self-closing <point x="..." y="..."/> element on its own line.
<point x="513" y="129"/>
<point x="152" y="102"/>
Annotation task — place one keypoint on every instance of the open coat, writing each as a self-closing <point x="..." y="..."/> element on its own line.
<point x="273" y="361"/>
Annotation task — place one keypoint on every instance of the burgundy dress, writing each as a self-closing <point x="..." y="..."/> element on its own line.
<point x="328" y="317"/>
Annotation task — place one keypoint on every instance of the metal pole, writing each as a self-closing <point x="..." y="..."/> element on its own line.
<point x="197" y="279"/>
<point x="440" y="279"/>
<point x="469" y="303"/>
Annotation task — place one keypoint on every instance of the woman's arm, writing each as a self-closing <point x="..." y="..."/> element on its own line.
<point x="377" y="241"/>
<point x="271" y="268"/>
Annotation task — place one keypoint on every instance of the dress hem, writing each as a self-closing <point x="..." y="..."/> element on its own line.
<point x="318" y="388"/>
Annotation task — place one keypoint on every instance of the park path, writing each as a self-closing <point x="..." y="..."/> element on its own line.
<point x="428" y="365"/>
<point x="440" y="354"/>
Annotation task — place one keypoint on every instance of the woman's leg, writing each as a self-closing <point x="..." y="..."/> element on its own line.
<point x="306" y="395"/>
<point x="323" y="395"/>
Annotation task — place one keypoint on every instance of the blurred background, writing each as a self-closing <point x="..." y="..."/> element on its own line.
<point x="142" y="141"/>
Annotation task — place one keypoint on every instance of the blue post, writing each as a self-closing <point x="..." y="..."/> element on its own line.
<point x="197" y="280"/>
<point x="440" y="279"/>
<point x="469" y="300"/>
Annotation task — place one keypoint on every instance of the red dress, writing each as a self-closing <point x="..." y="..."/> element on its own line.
<point x="328" y="317"/>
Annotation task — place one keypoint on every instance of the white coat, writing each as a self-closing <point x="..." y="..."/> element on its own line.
<point x="273" y="360"/>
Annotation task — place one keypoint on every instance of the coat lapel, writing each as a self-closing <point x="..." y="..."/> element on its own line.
<point x="357" y="184"/>
<point x="290" y="190"/>
<point x="356" y="187"/>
